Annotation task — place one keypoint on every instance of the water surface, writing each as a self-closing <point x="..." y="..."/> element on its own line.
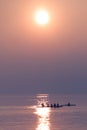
<point x="25" y="113"/>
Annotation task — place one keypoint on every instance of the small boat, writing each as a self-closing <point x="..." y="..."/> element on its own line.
<point x="57" y="105"/>
<point x="52" y="105"/>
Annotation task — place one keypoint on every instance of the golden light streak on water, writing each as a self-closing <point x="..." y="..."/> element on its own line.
<point x="43" y="114"/>
<point x="43" y="118"/>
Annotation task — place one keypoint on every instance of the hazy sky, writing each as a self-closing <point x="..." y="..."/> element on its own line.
<point x="43" y="59"/>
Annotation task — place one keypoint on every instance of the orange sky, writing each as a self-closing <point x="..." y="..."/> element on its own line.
<point x="50" y="48"/>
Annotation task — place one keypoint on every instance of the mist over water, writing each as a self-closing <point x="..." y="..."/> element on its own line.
<point x="25" y="112"/>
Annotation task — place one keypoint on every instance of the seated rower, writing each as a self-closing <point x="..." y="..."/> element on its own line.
<point x="51" y="105"/>
<point x="68" y="104"/>
<point x="54" y="105"/>
<point x="48" y="105"/>
<point x="43" y="105"/>
<point x="57" y="104"/>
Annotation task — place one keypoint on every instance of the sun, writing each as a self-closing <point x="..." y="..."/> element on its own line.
<point x="42" y="17"/>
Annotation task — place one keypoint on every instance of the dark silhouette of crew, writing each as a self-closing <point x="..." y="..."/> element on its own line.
<point x="68" y="104"/>
<point x="51" y="105"/>
<point x="48" y="105"/>
<point x="43" y="105"/>
<point x="57" y="105"/>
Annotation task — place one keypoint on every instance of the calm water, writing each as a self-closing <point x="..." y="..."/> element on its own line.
<point x="24" y="113"/>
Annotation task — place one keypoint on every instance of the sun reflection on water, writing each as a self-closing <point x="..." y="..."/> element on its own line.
<point x="43" y="118"/>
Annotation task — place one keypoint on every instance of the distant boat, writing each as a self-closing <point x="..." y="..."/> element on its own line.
<point x="57" y="105"/>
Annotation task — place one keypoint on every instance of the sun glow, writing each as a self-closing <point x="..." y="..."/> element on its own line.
<point x="42" y="17"/>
